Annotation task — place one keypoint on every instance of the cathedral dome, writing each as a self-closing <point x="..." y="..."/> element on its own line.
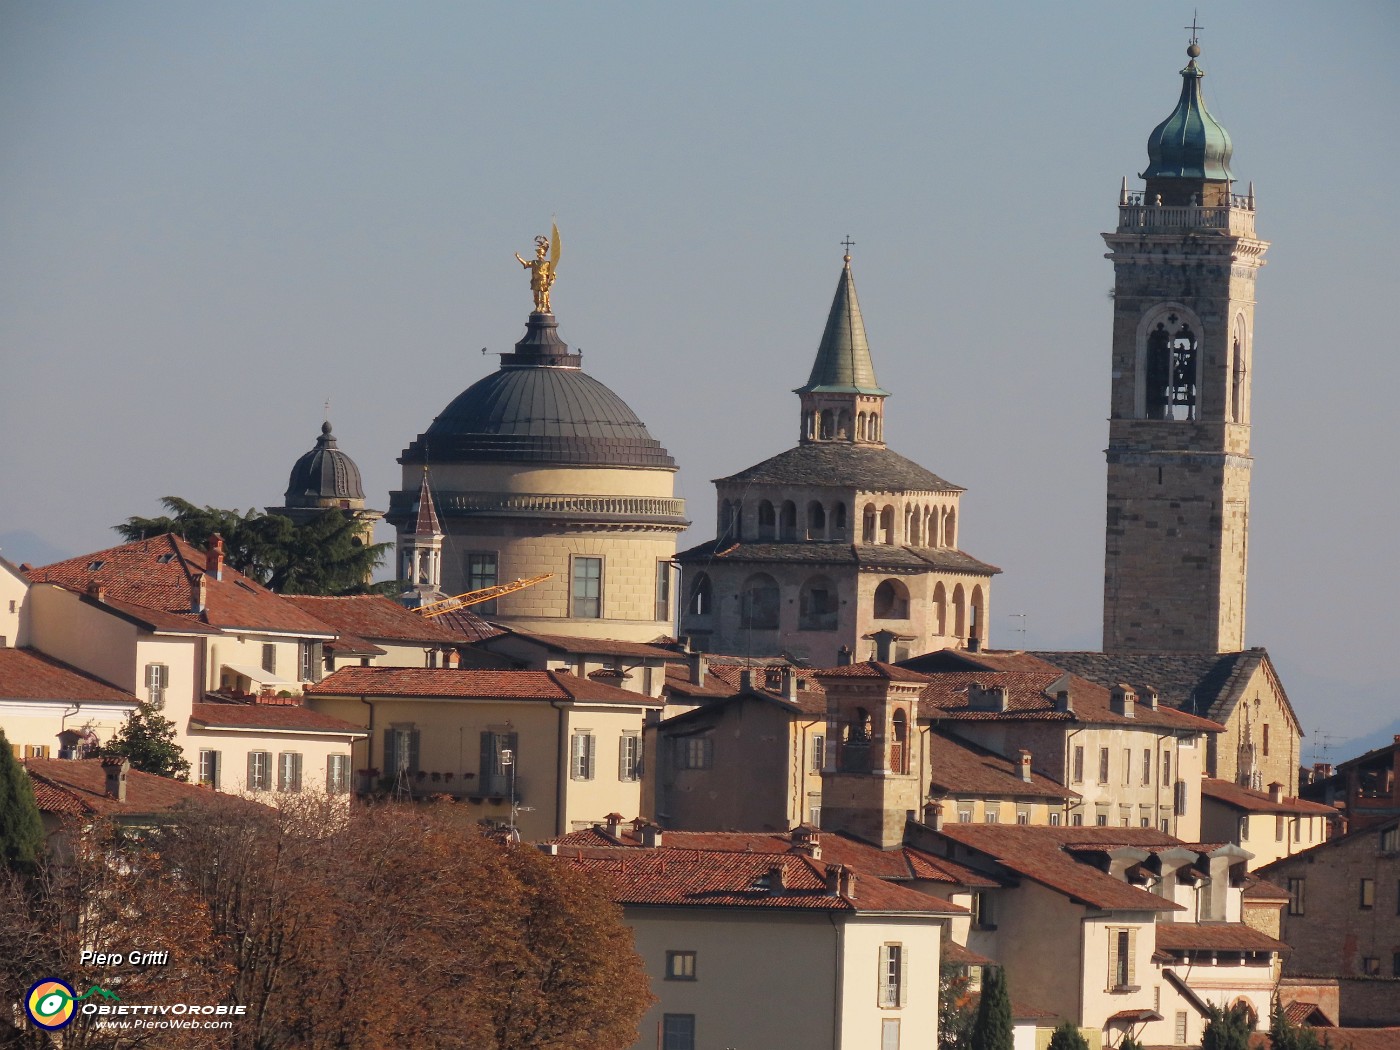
<point x="324" y="474"/>
<point x="1189" y="144"/>
<point x="540" y="406"/>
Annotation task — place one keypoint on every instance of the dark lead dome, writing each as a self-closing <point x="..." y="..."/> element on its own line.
<point x="539" y="407"/>
<point x="324" y="473"/>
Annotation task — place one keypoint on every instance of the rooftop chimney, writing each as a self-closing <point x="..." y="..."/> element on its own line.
<point x="698" y="666"/>
<point x="1121" y="699"/>
<point x="651" y="835"/>
<point x="614" y="824"/>
<point x="1275" y="792"/>
<point x="214" y="557"/>
<point x="992" y="698"/>
<point x="1064" y="703"/>
<point x="833" y="879"/>
<point x="1025" y="758"/>
<point x="933" y="815"/>
<point x="806" y="840"/>
<point x="199" y="592"/>
<point x="775" y="879"/>
<point x="746" y="680"/>
<point x="843" y="656"/>
<point x="115" y="771"/>
<point x="789" y="680"/>
<point x="1149" y="697"/>
<point x="884" y="641"/>
<point x="974" y="644"/>
<point x="97" y="590"/>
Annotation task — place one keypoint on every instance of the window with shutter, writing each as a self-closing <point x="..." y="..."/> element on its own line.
<point x="337" y="774"/>
<point x="891" y="976"/>
<point x="629" y="757"/>
<point x="818" y="753"/>
<point x="289" y="771"/>
<point x="583" y="747"/>
<point x="889" y="1033"/>
<point x="157" y="679"/>
<point x="494" y="774"/>
<point x="1180" y="798"/>
<point x="269" y="658"/>
<point x="259" y="771"/>
<point x="209" y="768"/>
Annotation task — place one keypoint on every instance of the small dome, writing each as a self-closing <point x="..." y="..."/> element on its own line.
<point x="1189" y="144"/>
<point x="539" y="406"/>
<point x="325" y="473"/>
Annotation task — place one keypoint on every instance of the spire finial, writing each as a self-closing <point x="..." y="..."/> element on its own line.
<point x="1194" y="48"/>
<point x="848" y="244"/>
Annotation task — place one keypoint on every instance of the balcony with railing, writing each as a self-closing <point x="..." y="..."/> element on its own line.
<point x="1135" y="212"/>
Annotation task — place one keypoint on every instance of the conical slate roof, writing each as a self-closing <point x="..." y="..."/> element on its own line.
<point x="540" y="406"/>
<point x="323" y="473"/>
<point x="843" y="364"/>
<point x="1189" y="144"/>
<point x="426" y="520"/>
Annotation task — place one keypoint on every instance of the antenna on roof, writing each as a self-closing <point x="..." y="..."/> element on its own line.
<point x="1021" y="630"/>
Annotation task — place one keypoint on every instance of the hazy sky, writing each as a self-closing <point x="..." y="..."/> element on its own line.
<point x="215" y="217"/>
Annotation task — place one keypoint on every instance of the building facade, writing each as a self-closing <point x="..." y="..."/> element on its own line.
<point x="821" y="547"/>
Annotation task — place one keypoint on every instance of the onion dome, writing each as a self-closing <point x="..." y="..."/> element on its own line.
<point x="1189" y="144"/>
<point x="324" y="474"/>
<point x="540" y="406"/>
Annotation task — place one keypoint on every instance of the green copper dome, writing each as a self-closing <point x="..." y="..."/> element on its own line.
<point x="1189" y="144"/>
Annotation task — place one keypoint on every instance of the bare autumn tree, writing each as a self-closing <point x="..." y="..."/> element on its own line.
<point x="104" y="889"/>
<point x="404" y="925"/>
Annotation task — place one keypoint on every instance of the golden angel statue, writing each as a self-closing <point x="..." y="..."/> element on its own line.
<point x="542" y="268"/>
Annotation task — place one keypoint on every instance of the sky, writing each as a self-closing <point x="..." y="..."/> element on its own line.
<point x="216" y="218"/>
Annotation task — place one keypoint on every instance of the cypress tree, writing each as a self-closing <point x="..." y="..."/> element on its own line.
<point x="992" y="1029"/>
<point x="21" y="827"/>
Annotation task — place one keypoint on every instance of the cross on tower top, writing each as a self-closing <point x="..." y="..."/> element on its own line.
<point x="848" y="244"/>
<point x="1195" y="29"/>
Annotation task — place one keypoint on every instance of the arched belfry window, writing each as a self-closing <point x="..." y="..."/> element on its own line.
<point x="828" y="427"/>
<point x="838" y="521"/>
<point x="891" y="601"/>
<point x="1239" y="371"/>
<point x="758" y="603"/>
<point x="702" y="596"/>
<point x="817" y="605"/>
<point x="767" y="520"/>
<point x="899" y="746"/>
<point x="816" y="520"/>
<point x="868" y="520"/>
<point x="1169" y="364"/>
<point x="787" y="525"/>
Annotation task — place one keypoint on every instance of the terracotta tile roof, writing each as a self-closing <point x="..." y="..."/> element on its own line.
<point x="1248" y="800"/>
<point x="902" y="863"/>
<point x="1043" y="855"/>
<point x="963" y="768"/>
<point x="286" y="717"/>
<point x="154" y="576"/>
<point x="27" y="674"/>
<point x="1300" y="1012"/>
<point x="472" y="684"/>
<point x="1215" y="936"/>
<point x="601" y="646"/>
<point x="666" y="876"/>
<point x="873" y="669"/>
<point x="374" y="618"/>
<point x="1364" y="1038"/>
<point x="870" y="556"/>
<point x="467" y="625"/>
<point x="83" y="784"/>
<point x="955" y="954"/>
<point x="1030" y="684"/>
<point x="1257" y="889"/>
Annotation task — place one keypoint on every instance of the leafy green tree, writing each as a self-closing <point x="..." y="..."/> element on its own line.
<point x="21" y="828"/>
<point x="1228" y="1029"/>
<point x="1067" y="1036"/>
<point x="956" y="1008"/>
<point x="992" y="1028"/>
<point x="324" y="555"/>
<point x="1129" y="1043"/>
<point x="147" y="740"/>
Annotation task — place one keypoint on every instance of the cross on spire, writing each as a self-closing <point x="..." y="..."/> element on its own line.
<point x="1194" y="28"/>
<point x="848" y="244"/>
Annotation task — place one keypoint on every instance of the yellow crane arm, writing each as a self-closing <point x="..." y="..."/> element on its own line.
<point x="485" y="594"/>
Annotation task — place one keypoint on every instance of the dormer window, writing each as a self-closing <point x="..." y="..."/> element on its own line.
<point x="93" y="566"/>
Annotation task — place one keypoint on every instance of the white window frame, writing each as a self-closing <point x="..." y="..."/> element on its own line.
<point x="289" y="772"/>
<point x="338" y="774"/>
<point x="259" y="771"/>
<point x="629" y="758"/>
<point x="209" y="762"/>
<point x="596" y="613"/>
<point x="157" y="681"/>
<point x="892" y="988"/>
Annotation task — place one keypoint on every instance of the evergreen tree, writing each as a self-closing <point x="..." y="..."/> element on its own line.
<point x="325" y="555"/>
<point x="147" y="740"/>
<point x="956" y="1009"/>
<point x="21" y="828"/>
<point x="1227" y="1029"/>
<point x="1129" y="1043"/>
<point x="992" y="1029"/>
<point x="1068" y="1037"/>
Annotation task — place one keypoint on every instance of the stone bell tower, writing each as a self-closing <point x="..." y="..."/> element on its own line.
<point x="870" y="784"/>
<point x="1185" y="257"/>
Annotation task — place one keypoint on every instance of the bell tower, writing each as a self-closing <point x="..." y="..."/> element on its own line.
<point x="1185" y="257"/>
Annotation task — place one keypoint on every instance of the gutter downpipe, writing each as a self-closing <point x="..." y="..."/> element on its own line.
<point x="838" y="972"/>
<point x="369" y="741"/>
<point x="560" y="757"/>
<point x="1069" y="778"/>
